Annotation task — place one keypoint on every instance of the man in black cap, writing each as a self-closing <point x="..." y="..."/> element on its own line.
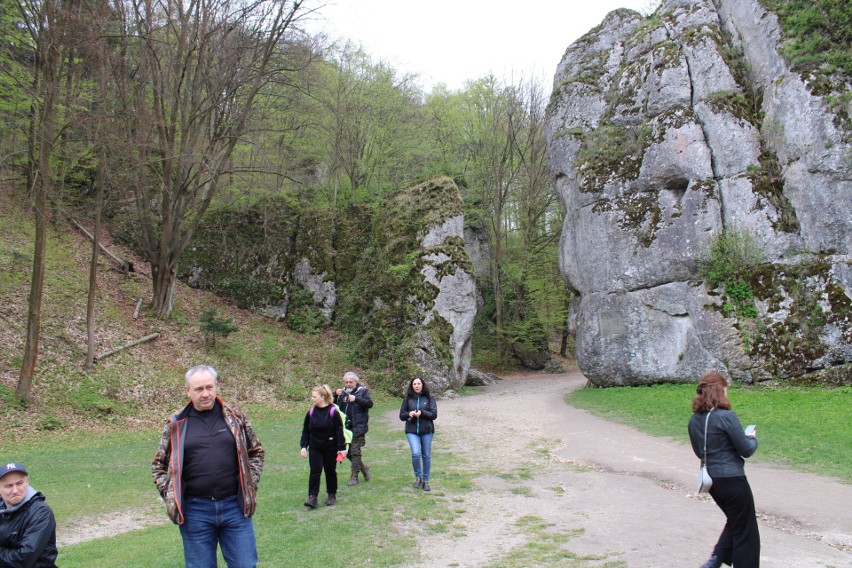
<point x="27" y="525"/>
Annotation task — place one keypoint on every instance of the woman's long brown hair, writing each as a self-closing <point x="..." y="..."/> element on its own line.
<point x="710" y="393"/>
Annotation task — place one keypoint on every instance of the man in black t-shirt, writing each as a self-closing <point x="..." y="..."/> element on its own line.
<point x="206" y="468"/>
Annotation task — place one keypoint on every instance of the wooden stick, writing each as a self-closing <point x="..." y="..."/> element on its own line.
<point x="138" y="307"/>
<point x="127" y="346"/>
<point x="125" y="265"/>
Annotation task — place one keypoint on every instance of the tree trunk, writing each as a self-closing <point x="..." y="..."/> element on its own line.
<point x="497" y="288"/>
<point x="36" y="288"/>
<point x="50" y="56"/>
<point x="165" y="281"/>
<point x="93" y="267"/>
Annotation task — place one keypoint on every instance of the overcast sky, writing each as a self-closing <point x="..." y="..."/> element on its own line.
<point x="452" y="41"/>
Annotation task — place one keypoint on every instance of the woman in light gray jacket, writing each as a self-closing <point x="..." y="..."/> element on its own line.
<point x="727" y="445"/>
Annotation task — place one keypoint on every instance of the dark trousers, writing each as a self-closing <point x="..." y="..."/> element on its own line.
<point x="739" y="543"/>
<point x="319" y="460"/>
<point x="354" y="454"/>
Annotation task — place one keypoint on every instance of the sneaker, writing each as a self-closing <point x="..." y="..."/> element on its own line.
<point x="426" y="486"/>
<point x="311" y="502"/>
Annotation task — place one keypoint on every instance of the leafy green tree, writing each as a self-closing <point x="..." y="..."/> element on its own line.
<point x="369" y="126"/>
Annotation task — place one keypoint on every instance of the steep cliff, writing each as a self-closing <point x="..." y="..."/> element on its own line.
<point x="670" y="134"/>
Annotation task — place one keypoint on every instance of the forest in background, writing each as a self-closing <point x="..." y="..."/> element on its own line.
<point x="150" y="119"/>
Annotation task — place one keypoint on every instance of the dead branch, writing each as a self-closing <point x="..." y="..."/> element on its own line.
<point x="124" y="265"/>
<point x="127" y="346"/>
<point x="138" y="307"/>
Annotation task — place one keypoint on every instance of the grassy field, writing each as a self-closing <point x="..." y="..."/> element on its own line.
<point x="806" y="428"/>
<point x="380" y="521"/>
<point x="88" y="477"/>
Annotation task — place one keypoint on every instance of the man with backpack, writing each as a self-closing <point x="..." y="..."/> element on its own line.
<point x="354" y="401"/>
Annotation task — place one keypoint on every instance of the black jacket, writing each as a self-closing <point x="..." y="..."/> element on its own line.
<point x="28" y="534"/>
<point x="423" y="424"/>
<point x="356" y="412"/>
<point x="727" y="444"/>
<point x="323" y="429"/>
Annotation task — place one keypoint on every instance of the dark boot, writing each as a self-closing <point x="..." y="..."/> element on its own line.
<point x="332" y="497"/>
<point x="418" y="483"/>
<point x="311" y="502"/>
<point x="366" y="471"/>
<point x="714" y="562"/>
<point x="353" y="479"/>
<point x="426" y="486"/>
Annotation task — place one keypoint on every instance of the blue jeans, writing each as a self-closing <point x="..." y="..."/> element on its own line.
<point x="208" y="522"/>
<point x="421" y="449"/>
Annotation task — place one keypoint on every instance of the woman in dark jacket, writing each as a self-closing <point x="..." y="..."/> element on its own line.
<point x="418" y="411"/>
<point x="322" y="434"/>
<point x="727" y="445"/>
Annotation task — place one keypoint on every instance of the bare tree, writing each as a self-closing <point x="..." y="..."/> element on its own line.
<point x="191" y="75"/>
<point x="45" y="21"/>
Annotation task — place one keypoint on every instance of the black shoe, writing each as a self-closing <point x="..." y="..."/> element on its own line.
<point x="311" y="502"/>
<point x="332" y="498"/>
<point x="418" y="483"/>
<point x="714" y="562"/>
<point x="426" y="486"/>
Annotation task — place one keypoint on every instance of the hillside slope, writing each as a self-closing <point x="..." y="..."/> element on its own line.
<point x="261" y="363"/>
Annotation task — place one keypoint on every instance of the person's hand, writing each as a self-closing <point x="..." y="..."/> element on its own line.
<point x="303" y="453"/>
<point x="344" y="452"/>
<point x="412" y="414"/>
<point x="338" y="392"/>
<point x="351" y="398"/>
<point x="418" y="412"/>
<point x="752" y="434"/>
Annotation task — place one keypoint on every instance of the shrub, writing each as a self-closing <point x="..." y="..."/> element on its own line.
<point x="733" y="253"/>
<point x="303" y="316"/>
<point x="212" y="326"/>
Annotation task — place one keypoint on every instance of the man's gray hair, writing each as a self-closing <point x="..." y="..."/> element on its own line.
<point x="198" y="369"/>
<point x="351" y="374"/>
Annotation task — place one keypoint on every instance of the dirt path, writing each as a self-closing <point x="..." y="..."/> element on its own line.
<point x="558" y="486"/>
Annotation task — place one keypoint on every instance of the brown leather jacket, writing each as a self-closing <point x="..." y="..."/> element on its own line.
<point x="169" y="459"/>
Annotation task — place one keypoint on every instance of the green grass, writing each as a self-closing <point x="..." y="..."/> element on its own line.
<point x="91" y="475"/>
<point x="546" y="546"/>
<point x="806" y="428"/>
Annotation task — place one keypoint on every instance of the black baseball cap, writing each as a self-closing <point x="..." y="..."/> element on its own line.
<point x="10" y="467"/>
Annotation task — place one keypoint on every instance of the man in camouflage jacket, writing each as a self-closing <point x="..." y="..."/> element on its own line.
<point x="206" y="469"/>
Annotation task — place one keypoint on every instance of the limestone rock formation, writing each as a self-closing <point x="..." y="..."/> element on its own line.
<point x="663" y="133"/>
<point x="322" y="290"/>
<point x="439" y="294"/>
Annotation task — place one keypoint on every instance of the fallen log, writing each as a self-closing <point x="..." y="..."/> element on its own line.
<point x="127" y="346"/>
<point x="125" y="266"/>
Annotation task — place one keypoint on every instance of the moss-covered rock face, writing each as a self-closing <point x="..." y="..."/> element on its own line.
<point x="412" y="282"/>
<point x="804" y="322"/>
<point x="244" y="253"/>
<point x="666" y="130"/>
